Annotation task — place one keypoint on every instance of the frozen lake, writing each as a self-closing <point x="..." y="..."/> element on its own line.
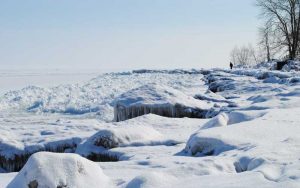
<point x="18" y="79"/>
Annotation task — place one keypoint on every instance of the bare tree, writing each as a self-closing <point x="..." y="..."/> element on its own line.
<point x="284" y="19"/>
<point x="264" y="33"/>
<point x="244" y="55"/>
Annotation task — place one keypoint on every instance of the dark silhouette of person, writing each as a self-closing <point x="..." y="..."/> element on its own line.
<point x="231" y="65"/>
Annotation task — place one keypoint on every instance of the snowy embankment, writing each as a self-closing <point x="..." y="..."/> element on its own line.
<point x="252" y="142"/>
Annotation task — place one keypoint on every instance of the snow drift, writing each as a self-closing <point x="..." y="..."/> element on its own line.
<point x="160" y="100"/>
<point x="59" y="170"/>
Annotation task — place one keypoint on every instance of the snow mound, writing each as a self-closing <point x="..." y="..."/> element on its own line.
<point x="152" y="179"/>
<point x="242" y="116"/>
<point x="96" y="147"/>
<point x="218" y="121"/>
<point x="160" y="100"/>
<point x="59" y="170"/>
<point x="199" y="145"/>
<point x="234" y="117"/>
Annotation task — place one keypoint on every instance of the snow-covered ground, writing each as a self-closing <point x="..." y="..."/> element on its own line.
<point x="253" y="142"/>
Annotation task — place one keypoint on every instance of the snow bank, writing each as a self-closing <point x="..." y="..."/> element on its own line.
<point x="59" y="170"/>
<point x="249" y="141"/>
<point x="200" y="144"/>
<point x="160" y="100"/>
<point x="97" y="146"/>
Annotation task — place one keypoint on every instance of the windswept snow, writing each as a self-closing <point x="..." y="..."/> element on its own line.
<point x="253" y="141"/>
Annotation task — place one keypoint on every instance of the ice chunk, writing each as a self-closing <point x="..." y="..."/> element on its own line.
<point x="160" y="100"/>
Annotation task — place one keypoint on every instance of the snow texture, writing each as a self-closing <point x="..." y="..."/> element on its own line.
<point x="253" y="141"/>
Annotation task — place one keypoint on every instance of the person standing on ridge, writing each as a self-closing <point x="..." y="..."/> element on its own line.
<point x="231" y="65"/>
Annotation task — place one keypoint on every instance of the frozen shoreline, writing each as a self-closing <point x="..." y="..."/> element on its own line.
<point x="260" y="113"/>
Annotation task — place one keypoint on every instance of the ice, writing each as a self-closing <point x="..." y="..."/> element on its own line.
<point x="160" y="100"/>
<point x="59" y="170"/>
<point x="252" y="142"/>
<point x="22" y="136"/>
<point x="95" y="97"/>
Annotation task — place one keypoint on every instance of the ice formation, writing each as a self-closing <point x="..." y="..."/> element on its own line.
<point x="160" y="100"/>
<point x="254" y="141"/>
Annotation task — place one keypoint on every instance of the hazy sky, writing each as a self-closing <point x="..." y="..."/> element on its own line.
<point x="123" y="34"/>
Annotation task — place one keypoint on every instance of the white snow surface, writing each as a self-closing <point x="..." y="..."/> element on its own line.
<point x="253" y="142"/>
<point x="60" y="170"/>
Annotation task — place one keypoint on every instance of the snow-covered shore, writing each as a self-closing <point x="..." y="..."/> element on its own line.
<point x="253" y="142"/>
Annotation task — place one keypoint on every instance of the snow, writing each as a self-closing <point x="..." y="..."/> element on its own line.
<point x="120" y="136"/>
<point x="59" y="170"/>
<point x="161" y="100"/>
<point x="152" y="179"/>
<point x="218" y="121"/>
<point x="271" y="133"/>
<point x="253" y="141"/>
<point x="94" y="98"/>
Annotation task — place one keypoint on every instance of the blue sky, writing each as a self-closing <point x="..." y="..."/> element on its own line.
<point x="123" y="34"/>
